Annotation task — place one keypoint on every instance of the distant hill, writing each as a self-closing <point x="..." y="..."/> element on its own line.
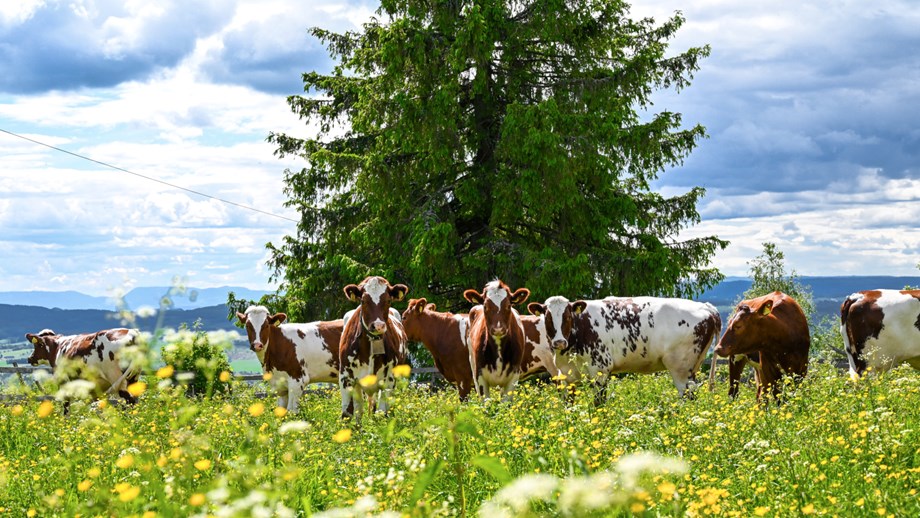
<point x="828" y="292"/>
<point x="728" y="291"/>
<point x="138" y="297"/>
<point x="19" y="320"/>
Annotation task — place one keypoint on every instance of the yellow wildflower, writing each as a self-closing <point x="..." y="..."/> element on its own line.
<point x="203" y="465"/>
<point x="45" y="409"/>
<point x="196" y="499"/>
<point x="402" y="371"/>
<point x="256" y="409"/>
<point x="137" y="388"/>
<point x="342" y="435"/>
<point x="165" y="372"/>
<point x="368" y="381"/>
<point x="125" y="461"/>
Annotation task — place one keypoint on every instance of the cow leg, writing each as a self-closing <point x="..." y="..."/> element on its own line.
<point x="509" y="387"/>
<point x="735" y="368"/>
<point x="295" y="391"/>
<point x="600" y="394"/>
<point x="345" y="389"/>
<point x="463" y="387"/>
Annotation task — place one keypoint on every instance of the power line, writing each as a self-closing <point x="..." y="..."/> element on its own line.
<point x="174" y="186"/>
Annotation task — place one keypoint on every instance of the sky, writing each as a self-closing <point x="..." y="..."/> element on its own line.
<point x="811" y="112"/>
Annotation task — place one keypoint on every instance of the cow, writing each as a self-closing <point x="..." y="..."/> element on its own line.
<point x="771" y="330"/>
<point x="630" y="334"/>
<point x="373" y="342"/>
<point x="295" y="355"/>
<point x="881" y="329"/>
<point x="444" y="335"/>
<point x="95" y="357"/>
<point x="496" y="337"/>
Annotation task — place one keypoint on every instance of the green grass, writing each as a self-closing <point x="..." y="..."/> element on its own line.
<point x="834" y="448"/>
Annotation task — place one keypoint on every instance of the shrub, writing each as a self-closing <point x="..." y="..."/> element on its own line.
<point x="198" y="359"/>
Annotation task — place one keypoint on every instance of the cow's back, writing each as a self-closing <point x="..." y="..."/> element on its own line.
<point x="316" y="347"/>
<point x="643" y="334"/>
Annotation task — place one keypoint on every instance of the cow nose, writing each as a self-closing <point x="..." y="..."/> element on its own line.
<point x="378" y="328"/>
<point x="560" y="344"/>
<point x="257" y="346"/>
<point x="720" y="351"/>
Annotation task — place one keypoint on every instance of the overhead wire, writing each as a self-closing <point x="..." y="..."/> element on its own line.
<point x="174" y="186"/>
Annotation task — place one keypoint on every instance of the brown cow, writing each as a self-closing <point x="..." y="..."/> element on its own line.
<point x="444" y="335"/>
<point x="373" y="342"/>
<point x="294" y="354"/>
<point x="773" y="327"/>
<point x="497" y="338"/>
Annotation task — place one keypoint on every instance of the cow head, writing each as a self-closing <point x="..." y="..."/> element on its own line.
<point x="375" y="295"/>
<point x="496" y="300"/>
<point x="749" y="328"/>
<point x="558" y="318"/>
<point x="45" y="347"/>
<point x="411" y="316"/>
<point x="258" y="322"/>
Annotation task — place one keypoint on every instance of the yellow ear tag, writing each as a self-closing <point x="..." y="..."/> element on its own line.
<point x="766" y="311"/>
<point x="35" y="340"/>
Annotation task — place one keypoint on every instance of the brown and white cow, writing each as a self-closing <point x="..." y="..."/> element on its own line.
<point x="373" y="342"/>
<point x="95" y="357"/>
<point x="881" y="329"/>
<point x="294" y="354"/>
<point x="600" y="338"/>
<point x="445" y="336"/>
<point x="774" y="328"/>
<point x="496" y="338"/>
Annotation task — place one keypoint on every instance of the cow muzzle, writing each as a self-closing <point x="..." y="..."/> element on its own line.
<point x="257" y="346"/>
<point x="721" y="351"/>
<point x="377" y="328"/>
<point x="560" y="344"/>
<point x="33" y="361"/>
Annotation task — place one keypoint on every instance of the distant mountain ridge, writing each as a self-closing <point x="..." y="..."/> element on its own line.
<point x="192" y="298"/>
<point x="727" y="292"/>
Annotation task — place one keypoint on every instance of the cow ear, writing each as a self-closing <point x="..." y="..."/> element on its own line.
<point x="520" y="296"/>
<point x="536" y="309"/>
<point x="473" y="296"/>
<point x="398" y="291"/>
<point x="277" y="319"/>
<point x="353" y="292"/>
<point x="766" y="308"/>
<point x="32" y="338"/>
<point x="419" y="304"/>
<point x="578" y="306"/>
<point x="242" y="317"/>
<point x="431" y="307"/>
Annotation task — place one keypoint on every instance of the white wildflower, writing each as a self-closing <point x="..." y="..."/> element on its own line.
<point x="145" y="311"/>
<point x="632" y="466"/>
<point x="41" y="375"/>
<point x="526" y="489"/>
<point x="76" y="389"/>
<point x="293" y="426"/>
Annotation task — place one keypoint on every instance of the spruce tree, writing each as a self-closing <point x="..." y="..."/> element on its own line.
<point x="458" y="141"/>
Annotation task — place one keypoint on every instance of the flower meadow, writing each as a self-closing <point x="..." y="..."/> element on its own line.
<point x="834" y="447"/>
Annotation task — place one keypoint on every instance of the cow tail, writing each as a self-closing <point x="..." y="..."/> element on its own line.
<point x="131" y="371"/>
<point x="712" y="345"/>
<point x="845" y="331"/>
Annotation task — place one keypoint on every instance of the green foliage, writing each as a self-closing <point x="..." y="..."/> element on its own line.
<point x="200" y="354"/>
<point x="768" y="271"/>
<point x="461" y="141"/>
<point x="231" y="455"/>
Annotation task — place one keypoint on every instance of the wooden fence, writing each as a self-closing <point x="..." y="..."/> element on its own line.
<point x="423" y="375"/>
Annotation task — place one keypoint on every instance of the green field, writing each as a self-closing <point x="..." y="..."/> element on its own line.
<point x="835" y="448"/>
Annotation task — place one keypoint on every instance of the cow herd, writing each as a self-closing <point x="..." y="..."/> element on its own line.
<point x="493" y="346"/>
